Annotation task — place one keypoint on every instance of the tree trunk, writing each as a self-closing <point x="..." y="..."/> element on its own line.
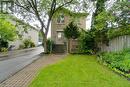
<point x="45" y="45"/>
<point x="44" y="41"/>
<point x="68" y="46"/>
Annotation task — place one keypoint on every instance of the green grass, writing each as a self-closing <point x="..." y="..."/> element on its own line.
<point x="78" y="71"/>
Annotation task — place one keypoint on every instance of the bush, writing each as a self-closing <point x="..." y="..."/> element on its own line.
<point x="3" y="43"/>
<point x="50" y="44"/>
<point x="27" y="43"/>
<point x="32" y="44"/>
<point x="86" y="43"/>
<point x="3" y="49"/>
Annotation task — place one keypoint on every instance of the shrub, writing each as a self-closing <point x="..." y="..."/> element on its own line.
<point x="86" y="43"/>
<point x="3" y="43"/>
<point x="3" y="49"/>
<point x="50" y="44"/>
<point x="125" y="66"/>
<point x="27" y="43"/>
<point x="32" y="44"/>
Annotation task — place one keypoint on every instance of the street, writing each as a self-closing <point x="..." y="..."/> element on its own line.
<point x="17" y="61"/>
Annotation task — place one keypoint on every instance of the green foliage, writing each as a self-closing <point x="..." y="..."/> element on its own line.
<point x="7" y="31"/>
<point x="100" y="7"/>
<point x="71" y="31"/>
<point x="86" y="43"/>
<point x="3" y="49"/>
<point x="103" y="33"/>
<point x="102" y="20"/>
<point x="61" y="7"/>
<point x="27" y="43"/>
<point x="105" y="22"/>
<point x="112" y="33"/>
<point x="118" y="61"/>
<point x="50" y="44"/>
<point x="70" y="13"/>
<point x="123" y="11"/>
<point x="3" y="43"/>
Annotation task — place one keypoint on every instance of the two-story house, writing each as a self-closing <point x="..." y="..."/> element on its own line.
<point x="57" y="26"/>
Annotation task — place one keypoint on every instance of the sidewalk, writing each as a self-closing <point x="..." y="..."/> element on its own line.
<point x="25" y="76"/>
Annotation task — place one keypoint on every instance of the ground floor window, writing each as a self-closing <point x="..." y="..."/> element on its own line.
<point x="60" y="34"/>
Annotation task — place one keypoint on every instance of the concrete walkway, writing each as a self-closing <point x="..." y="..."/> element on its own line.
<point x="25" y="76"/>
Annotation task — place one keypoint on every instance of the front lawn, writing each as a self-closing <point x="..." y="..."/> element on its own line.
<point x="78" y="71"/>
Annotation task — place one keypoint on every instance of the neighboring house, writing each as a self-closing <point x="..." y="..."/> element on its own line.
<point x="24" y="31"/>
<point x="57" y="26"/>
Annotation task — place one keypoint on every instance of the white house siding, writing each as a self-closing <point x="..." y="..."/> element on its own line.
<point x="32" y="34"/>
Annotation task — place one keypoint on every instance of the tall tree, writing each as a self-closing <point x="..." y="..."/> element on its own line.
<point x="99" y="7"/>
<point x="7" y="32"/>
<point x="43" y="11"/>
<point x="98" y="34"/>
<point x="71" y="32"/>
<point x="121" y="10"/>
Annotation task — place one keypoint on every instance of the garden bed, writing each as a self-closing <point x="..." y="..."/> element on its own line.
<point x="117" y="61"/>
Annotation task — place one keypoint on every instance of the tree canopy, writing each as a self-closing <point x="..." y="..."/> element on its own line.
<point x="71" y="31"/>
<point x="7" y="30"/>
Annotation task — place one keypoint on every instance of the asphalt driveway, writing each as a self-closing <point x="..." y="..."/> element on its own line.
<point x="17" y="61"/>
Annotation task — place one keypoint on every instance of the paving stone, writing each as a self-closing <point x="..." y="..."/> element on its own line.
<point x="24" y="77"/>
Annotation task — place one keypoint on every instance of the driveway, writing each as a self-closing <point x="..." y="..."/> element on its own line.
<point x="16" y="61"/>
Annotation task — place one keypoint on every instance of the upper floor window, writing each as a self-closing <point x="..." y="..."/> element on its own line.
<point x="61" y="19"/>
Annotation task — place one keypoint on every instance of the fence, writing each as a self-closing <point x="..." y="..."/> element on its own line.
<point x="116" y="44"/>
<point x="73" y="47"/>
